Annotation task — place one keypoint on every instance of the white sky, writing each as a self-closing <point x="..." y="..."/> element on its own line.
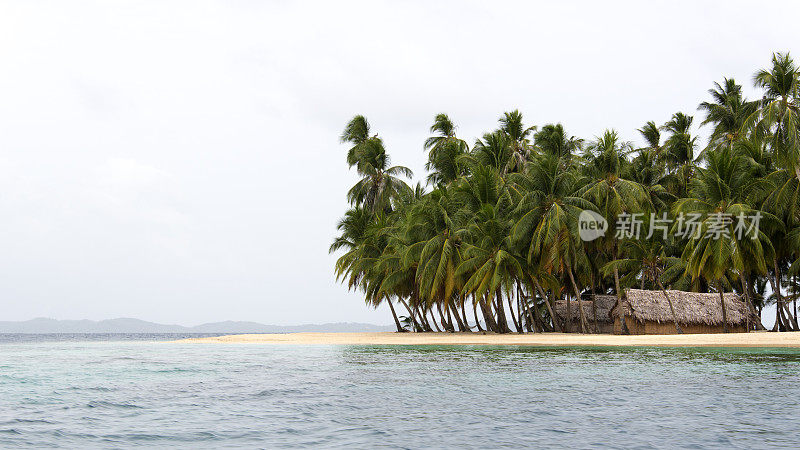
<point x="178" y="161"/>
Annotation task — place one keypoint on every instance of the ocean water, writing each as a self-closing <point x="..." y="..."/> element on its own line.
<point x="125" y="391"/>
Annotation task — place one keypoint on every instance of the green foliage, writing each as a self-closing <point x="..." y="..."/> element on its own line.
<point x="501" y="221"/>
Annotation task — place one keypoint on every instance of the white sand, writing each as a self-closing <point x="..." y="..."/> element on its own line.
<point x="760" y="339"/>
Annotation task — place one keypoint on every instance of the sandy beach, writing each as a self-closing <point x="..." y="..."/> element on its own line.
<point x="760" y="339"/>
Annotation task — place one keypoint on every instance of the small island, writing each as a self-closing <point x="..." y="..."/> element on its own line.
<point x="528" y="228"/>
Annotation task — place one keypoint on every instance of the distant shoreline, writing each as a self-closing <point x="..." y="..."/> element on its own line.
<point x="756" y="339"/>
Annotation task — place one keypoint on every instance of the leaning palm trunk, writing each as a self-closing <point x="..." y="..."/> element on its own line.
<point x="445" y="325"/>
<point x="488" y="317"/>
<point x="584" y="326"/>
<point x="594" y="307"/>
<point x="433" y="319"/>
<point x="536" y="316"/>
<point x="534" y="320"/>
<point x="775" y="282"/>
<point x="754" y="316"/>
<point x="672" y="309"/>
<point x="400" y="328"/>
<point x="789" y="317"/>
<point x="454" y="312"/>
<point x="464" y="314"/>
<point x="550" y="309"/>
<point x="423" y="313"/>
<point x="724" y="309"/>
<point x="620" y="309"/>
<point x="502" y="322"/>
<point x="475" y="313"/>
<point x="414" y="326"/>
<point x="513" y="315"/>
<point x="568" y="319"/>
<point x="524" y="316"/>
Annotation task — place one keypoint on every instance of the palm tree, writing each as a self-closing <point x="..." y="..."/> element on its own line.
<point x="436" y="249"/>
<point x="613" y="195"/>
<point x="779" y="114"/>
<point x="444" y="151"/>
<point x="547" y="215"/>
<point x="679" y="152"/>
<point x="492" y="150"/>
<point x="488" y="266"/>
<point x="651" y="135"/>
<point x="364" y="237"/>
<point x="727" y="113"/>
<point x="719" y="194"/>
<point x="501" y="221"/>
<point x="777" y="121"/>
<point x="511" y="125"/>
<point x="553" y="139"/>
<point x="380" y="184"/>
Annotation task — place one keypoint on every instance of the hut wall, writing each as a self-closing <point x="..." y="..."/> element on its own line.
<point x="603" y="326"/>
<point x="649" y="327"/>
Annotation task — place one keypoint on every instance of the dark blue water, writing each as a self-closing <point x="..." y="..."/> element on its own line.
<point x="79" y="393"/>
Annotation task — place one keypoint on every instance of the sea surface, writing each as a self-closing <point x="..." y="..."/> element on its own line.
<point x="116" y="391"/>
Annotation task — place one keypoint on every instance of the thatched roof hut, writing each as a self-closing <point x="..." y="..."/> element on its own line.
<point x="603" y="305"/>
<point x="648" y="312"/>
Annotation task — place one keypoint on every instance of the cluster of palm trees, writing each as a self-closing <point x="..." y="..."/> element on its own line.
<point x="493" y="242"/>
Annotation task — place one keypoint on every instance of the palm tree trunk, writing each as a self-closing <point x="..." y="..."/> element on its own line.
<point x="433" y="319"/>
<point x="464" y="314"/>
<point x="531" y="320"/>
<point x="445" y="325"/>
<point x="513" y="316"/>
<point x="581" y="313"/>
<point x="424" y="314"/>
<point x="790" y="319"/>
<point x="522" y="312"/>
<point x="794" y="304"/>
<point x="454" y="312"/>
<point x="448" y="317"/>
<point x="423" y="319"/>
<point x="475" y="313"/>
<point x="724" y="309"/>
<point x="400" y="328"/>
<point x="414" y="326"/>
<point x="550" y="307"/>
<point x="747" y="300"/>
<point x="620" y="310"/>
<point x="502" y="322"/>
<point x="775" y="283"/>
<point x="754" y="316"/>
<point x="488" y="316"/>
<point x="671" y="308"/>
<point x="533" y="310"/>
<point x="594" y="306"/>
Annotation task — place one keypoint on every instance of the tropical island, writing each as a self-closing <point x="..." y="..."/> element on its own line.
<point x="691" y="235"/>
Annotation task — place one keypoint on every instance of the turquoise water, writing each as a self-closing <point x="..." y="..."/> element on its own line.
<point x="79" y="394"/>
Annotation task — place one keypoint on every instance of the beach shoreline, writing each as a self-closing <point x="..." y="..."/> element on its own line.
<point x="755" y="339"/>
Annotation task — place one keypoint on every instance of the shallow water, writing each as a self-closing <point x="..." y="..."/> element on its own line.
<point x="78" y="393"/>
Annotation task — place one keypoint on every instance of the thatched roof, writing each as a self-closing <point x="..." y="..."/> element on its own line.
<point x="690" y="307"/>
<point x="604" y="305"/>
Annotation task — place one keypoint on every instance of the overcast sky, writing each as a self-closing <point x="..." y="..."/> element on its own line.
<point x="178" y="161"/>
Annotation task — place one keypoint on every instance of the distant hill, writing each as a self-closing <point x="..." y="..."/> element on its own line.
<point x="125" y="325"/>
